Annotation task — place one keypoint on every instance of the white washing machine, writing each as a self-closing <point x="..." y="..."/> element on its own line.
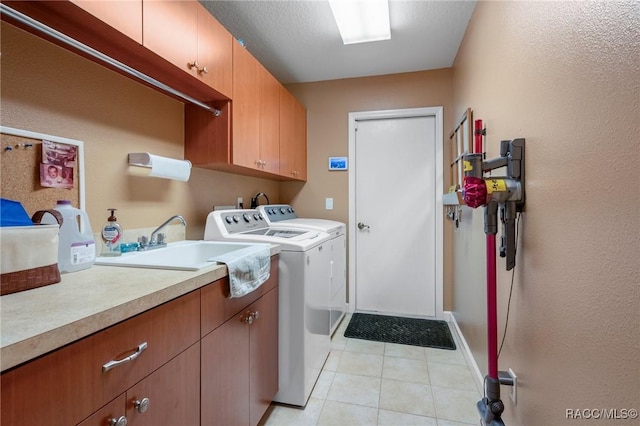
<point x="304" y="270"/>
<point x="285" y="215"/>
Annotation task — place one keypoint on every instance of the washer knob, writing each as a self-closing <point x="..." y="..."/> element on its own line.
<point x="228" y="219"/>
<point x="283" y="210"/>
<point x="246" y="217"/>
<point x="236" y="219"/>
<point x="256" y="216"/>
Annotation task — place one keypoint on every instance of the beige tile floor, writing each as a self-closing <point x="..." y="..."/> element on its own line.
<point x="373" y="383"/>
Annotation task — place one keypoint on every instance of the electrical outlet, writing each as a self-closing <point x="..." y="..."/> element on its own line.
<point x="513" y="389"/>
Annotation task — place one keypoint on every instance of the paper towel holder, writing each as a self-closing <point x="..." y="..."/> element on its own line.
<point x="180" y="171"/>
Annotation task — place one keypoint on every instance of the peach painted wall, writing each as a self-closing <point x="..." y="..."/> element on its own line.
<point x="49" y="90"/>
<point x="565" y="76"/>
<point x="328" y="106"/>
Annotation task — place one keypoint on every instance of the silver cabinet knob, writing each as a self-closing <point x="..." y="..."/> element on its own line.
<point x="141" y="405"/>
<point x="250" y="317"/>
<point x="203" y="70"/>
<point x="120" y="421"/>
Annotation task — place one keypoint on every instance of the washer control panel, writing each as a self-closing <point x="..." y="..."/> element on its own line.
<point x="242" y="220"/>
<point x="278" y="212"/>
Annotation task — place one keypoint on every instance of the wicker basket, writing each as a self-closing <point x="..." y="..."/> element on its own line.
<point x="14" y="282"/>
<point x="29" y="256"/>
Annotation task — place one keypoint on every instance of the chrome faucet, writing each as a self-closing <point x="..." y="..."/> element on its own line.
<point x="156" y="240"/>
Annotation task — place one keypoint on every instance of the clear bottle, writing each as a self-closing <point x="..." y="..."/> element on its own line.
<point x="111" y="236"/>
<point x="77" y="248"/>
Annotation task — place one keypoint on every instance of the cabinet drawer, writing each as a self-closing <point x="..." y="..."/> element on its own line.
<point x="69" y="384"/>
<point x="218" y="308"/>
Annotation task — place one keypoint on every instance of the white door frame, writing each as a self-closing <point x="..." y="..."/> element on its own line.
<point x="437" y="113"/>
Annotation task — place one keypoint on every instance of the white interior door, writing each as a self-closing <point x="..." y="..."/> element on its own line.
<point x="395" y="236"/>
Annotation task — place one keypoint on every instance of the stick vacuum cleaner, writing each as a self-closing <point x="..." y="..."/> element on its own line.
<point x="503" y="195"/>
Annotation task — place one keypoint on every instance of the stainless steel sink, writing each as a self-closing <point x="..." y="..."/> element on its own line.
<point x="183" y="255"/>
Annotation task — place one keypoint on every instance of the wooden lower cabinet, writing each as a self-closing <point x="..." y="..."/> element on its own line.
<point x="240" y="365"/>
<point x="69" y="384"/>
<point x="208" y="360"/>
<point x="111" y="414"/>
<point x="172" y="392"/>
<point x="170" y="395"/>
<point x="263" y="356"/>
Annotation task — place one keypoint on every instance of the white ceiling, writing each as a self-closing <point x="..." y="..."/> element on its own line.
<point x="298" y="41"/>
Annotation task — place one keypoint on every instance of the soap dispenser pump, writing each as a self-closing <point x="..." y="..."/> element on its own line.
<point x="111" y="236"/>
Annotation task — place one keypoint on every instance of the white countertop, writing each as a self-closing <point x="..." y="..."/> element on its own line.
<point x="36" y="321"/>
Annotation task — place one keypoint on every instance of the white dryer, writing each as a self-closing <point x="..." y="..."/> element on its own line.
<point x="304" y="270"/>
<point x="285" y="215"/>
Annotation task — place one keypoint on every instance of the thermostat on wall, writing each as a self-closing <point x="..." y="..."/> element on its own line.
<point x="337" y="163"/>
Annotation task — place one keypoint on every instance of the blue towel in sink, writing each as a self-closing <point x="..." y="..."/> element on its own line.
<point x="249" y="268"/>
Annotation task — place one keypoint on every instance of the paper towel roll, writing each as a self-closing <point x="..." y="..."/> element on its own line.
<point x="162" y="167"/>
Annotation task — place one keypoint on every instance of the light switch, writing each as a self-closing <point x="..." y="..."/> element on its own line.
<point x="328" y="203"/>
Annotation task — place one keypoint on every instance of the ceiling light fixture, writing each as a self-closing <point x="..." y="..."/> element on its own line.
<point x="361" y="21"/>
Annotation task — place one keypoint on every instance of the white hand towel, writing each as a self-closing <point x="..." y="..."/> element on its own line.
<point x="248" y="268"/>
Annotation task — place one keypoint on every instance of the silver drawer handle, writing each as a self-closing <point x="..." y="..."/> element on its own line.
<point x="112" y="364"/>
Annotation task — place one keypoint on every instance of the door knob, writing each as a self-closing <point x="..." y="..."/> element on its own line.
<point x="362" y="226"/>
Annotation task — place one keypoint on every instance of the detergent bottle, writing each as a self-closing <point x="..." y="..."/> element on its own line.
<point x="77" y="248"/>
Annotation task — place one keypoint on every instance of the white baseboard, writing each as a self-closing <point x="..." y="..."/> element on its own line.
<point x="477" y="375"/>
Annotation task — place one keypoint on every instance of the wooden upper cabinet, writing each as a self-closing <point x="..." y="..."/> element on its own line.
<point x="255" y="118"/>
<point x="293" y="137"/>
<point x="185" y="34"/>
<point x="170" y="29"/>
<point x="215" y="47"/>
<point x="245" y="109"/>
<point x="300" y="132"/>
<point x="269" y="121"/>
<point x="123" y="15"/>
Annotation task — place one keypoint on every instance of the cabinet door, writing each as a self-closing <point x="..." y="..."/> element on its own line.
<point x="300" y="140"/>
<point x="170" y="29"/>
<point x="172" y="393"/>
<point x="106" y="416"/>
<point x="215" y="45"/>
<point x="269" y="121"/>
<point x="123" y="15"/>
<point x="263" y="358"/>
<point x="287" y="131"/>
<point x="246" y="109"/>
<point x="225" y="374"/>
<point x="293" y="137"/>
